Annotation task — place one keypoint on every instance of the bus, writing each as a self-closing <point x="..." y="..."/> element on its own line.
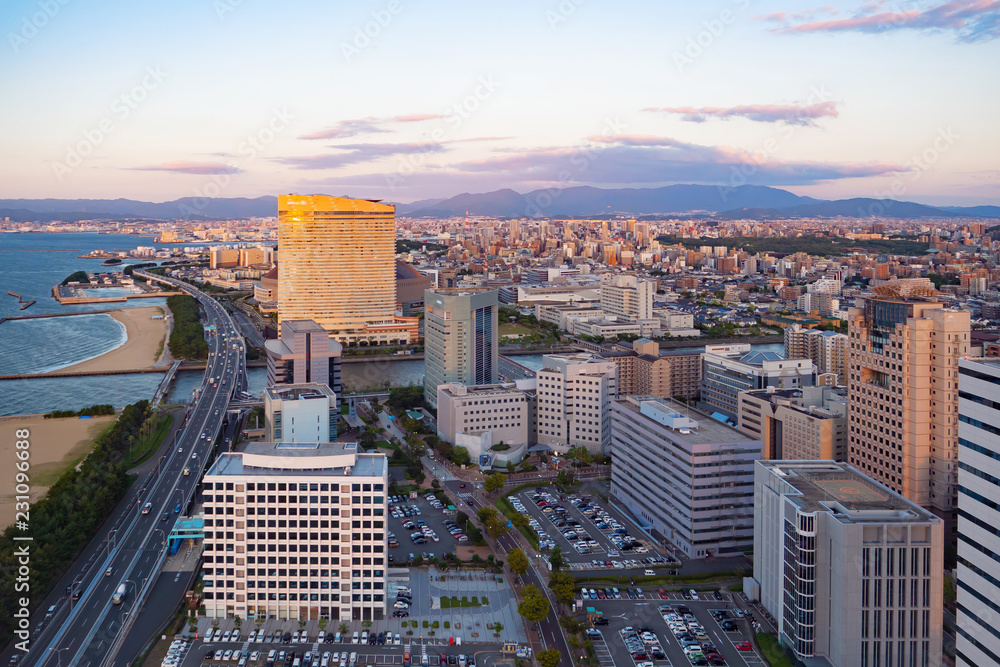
<point x="119" y="594"/>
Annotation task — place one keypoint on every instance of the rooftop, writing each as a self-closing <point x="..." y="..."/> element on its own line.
<point x="300" y="392"/>
<point x="838" y="488"/>
<point x="284" y="459"/>
<point x="706" y="431"/>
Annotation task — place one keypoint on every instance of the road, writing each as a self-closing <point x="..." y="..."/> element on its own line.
<point x="89" y="631"/>
<point x="551" y="633"/>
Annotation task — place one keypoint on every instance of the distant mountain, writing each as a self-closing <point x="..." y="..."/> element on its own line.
<point x="977" y="211"/>
<point x="186" y="208"/>
<point x="745" y="201"/>
<point x="586" y="200"/>
<point x="854" y="208"/>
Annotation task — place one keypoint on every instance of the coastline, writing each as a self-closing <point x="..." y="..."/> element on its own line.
<point x="56" y="444"/>
<point x="143" y="335"/>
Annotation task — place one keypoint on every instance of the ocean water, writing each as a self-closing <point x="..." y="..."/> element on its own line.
<point x="30" y="264"/>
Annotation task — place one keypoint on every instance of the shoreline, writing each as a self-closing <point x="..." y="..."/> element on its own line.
<point x="142" y="337"/>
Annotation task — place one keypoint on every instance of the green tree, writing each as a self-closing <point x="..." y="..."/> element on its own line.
<point x="493" y="521"/>
<point x="549" y="657"/>
<point x="534" y="605"/>
<point x="322" y="623"/>
<point x="556" y="559"/>
<point x="302" y="623"/>
<point x="494" y="482"/>
<point x="497" y="628"/>
<point x="460" y="456"/>
<point x="237" y="621"/>
<point x="342" y="628"/>
<point x="366" y="624"/>
<point x="517" y="561"/>
<point x="563" y="586"/>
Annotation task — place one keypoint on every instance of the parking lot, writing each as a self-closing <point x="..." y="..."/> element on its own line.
<point x="414" y="524"/>
<point x="590" y="534"/>
<point x="650" y="618"/>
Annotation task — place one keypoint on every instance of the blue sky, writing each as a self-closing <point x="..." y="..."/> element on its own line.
<point x="407" y="100"/>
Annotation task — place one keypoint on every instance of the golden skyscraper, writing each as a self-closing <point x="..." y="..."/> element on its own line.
<point x="336" y="266"/>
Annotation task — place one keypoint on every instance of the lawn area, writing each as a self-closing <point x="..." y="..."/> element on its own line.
<point x="511" y="329"/>
<point x="771" y="649"/>
<point x="453" y="602"/>
<point x="148" y="445"/>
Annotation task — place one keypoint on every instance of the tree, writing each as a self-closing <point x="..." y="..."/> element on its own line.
<point x="302" y="623"/>
<point x="494" y="482"/>
<point x="342" y="628"/>
<point x="366" y="624"/>
<point x="549" y="657"/>
<point x="534" y="606"/>
<point x="556" y="559"/>
<point x="497" y="628"/>
<point x="237" y="621"/>
<point x="517" y="561"/>
<point x="322" y="623"/>
<point x="563" y="586"/>
<point x="494" y="522"/>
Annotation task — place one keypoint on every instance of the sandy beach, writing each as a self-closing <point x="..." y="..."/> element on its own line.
<point x="55" y="444"/>
<point x="139" y="351"/>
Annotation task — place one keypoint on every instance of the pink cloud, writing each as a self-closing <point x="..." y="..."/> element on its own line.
<point x="187" y="167"/>
<point x="790" y="114"/>
<point x="970" y="20"/>
<point x="371" y="125"/>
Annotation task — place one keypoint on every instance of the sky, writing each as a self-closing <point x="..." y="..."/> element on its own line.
<point x="406" y="100"/>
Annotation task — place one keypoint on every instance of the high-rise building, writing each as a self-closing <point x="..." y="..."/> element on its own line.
<point x="851" y="571"/>
<point x="461" y="338"/>
<point x="303" y="352"/>
<point x="903" y="397"/>
<point x="300" y="413"/>
<point x="338" y="268"/>
<point x="574" y="401"/>
<point x="826" y="349"/>
<point x="628" y="297"/>
<point x="978" y="572"/>
<point x="221" y="257"/>
<point x="802" y="424"/>
<point x="729" y="369"/>
<point x="325" y="557"/>
<point x="684" y="474"/>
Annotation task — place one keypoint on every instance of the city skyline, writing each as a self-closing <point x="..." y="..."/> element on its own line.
<point x="402" y="102"/>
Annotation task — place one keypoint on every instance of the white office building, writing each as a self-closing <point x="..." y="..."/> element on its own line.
<point x="296" y="531"/>
<point x="300" y="413"/>
<point x="978" y="572"/>
<point x="627" y="296"/>
<point x="481" y="417"/>
<point x="684" y="474"/>
<point x="574" y="401"/>
<point x="851" y="571"/>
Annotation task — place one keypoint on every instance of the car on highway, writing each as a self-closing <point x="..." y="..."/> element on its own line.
<point x="177" y="508"/>
<point x="146" y="508"/>
<point x="164" y="517"/>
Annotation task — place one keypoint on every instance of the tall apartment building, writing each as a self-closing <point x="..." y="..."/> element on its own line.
<point x="461" y="338"/>
<point x="300" y="413"/>
<point x="978" y="572"/>
<point x="483" y="416"/>
<point x="338" y="268"/>
<point x="684" y="474"/>
<point x="296" y="531"/>
<point x="851" y="571"/>
<point x="798" y="424"/>
<point x="628" y="297"/>
<point x="726" y="370"/>
<point x="648" y="371"/>
<point x="826" y="349"/>
<point x="303" y="352"/>
<point x="903" y="397"/>
<point x="574" y="401"/>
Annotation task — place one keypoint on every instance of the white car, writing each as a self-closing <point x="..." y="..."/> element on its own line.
<point x="397" y="640"/>
<point x="227" y="636"/>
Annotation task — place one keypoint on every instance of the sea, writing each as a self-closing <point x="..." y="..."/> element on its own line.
<point x="30" y="264"/>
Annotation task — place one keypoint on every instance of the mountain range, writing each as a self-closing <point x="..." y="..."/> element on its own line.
<point x="745" y="201"/>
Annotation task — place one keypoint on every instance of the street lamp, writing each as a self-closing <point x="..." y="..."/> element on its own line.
<point x="59" y="653"/>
